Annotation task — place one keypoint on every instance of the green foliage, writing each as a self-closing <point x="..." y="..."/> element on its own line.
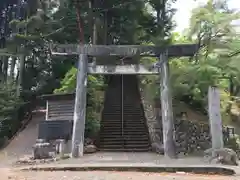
<point x="211" y="27"/>
<point x="129" y="22"/>
<point x="234" y="143"/>
<point x="68" y="84"/>
<point x="9" y="106"/>
<point x="45" y="22"/>
<point x="95" y="85"/>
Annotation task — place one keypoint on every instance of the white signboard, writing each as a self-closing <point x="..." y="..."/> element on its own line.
<point x="120" y="69"/>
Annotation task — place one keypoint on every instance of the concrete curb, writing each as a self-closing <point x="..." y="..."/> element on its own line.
<point x="192" y="169"/>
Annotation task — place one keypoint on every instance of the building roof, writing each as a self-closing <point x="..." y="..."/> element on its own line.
<point x="59" y="96"/>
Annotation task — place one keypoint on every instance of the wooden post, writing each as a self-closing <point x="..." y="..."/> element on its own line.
<point x="167" y="112"/>
<point x="215" y="117"/>
<point x="80" y="108"/>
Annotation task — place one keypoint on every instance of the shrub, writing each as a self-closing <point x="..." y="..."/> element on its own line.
<point x="9" y="110"/>
<point x="95" y="85"/>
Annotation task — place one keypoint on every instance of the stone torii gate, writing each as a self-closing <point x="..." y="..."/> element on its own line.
<point x="161" y="68"/>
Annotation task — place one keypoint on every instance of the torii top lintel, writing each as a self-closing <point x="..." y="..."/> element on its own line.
<point x="178" y="50"/>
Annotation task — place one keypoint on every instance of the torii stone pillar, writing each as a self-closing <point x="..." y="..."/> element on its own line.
<point x="167" y="111"/>
<point x="80" y="107"/>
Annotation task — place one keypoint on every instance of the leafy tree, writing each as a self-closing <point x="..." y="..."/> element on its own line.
<point x="211" y="26"/>
<point x="95" y="85"/>
<point x="9" y="110"/>
<point x="33" y="25"/>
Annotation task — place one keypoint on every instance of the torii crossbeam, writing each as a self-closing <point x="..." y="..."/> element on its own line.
<point x="178" y="50"/>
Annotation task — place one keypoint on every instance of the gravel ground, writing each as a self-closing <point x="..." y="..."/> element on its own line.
<point x="97" y="175"/>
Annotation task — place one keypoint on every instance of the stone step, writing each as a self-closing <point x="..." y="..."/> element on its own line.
<point x="126" y="146"/>
<point x="131" y="134"/>
<point x="113" y="146"/>
<point x="124" y="116"/>
<point x="126" y="143"/>
<point x="125" y="139"/>
<point x="118" y="142"/>
<point x="120" y="111"/>
<point x="125" y="126"/>
<point x="137" y="145"/>
<point x="120" y="117"/>
<point x="130" y="123"/>
<point x="116" y="137"/>
<point x="109" y="133"/>
<point x="124" y="150"/>
<point x="125" y="121"/>
<point x="112" y="137"/>
<point x="125" y="130"/>
<point x="127" y="133"/>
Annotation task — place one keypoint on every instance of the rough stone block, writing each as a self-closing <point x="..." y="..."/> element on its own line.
<point x="225" y="156"/>
<point x="62" y="147"/>
<point x="158" y="148"/>
<point x="40" y="141"/>
<point x="88" y="141"/>
<point x="90" y="149"/>
<point x="43" y="151"/>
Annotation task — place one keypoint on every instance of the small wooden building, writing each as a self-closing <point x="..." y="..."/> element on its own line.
<point x="58" y="123"/>
<point x="59" y="106"/>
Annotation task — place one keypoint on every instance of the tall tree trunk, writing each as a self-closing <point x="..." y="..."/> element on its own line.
<point x="105" y="28"/>
<point x="12" y="68"/>
<point x="1" y="67"/>
<point x="21" y="74"/>
<point x="90" y="20"/>
<point x="5" y="68"/>
<point x="158" y="15"/>
<point x="95" y="23"/>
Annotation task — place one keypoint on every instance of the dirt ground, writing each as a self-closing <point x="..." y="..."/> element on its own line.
<point x="22" y="143"/>
<point x="97" y="175"/>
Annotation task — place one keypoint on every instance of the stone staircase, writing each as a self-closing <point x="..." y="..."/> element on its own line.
<point x="123" y="125"/>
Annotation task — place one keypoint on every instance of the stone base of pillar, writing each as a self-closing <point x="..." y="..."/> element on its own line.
<point x="68" y="147"/>
<point x="43" y="151"/>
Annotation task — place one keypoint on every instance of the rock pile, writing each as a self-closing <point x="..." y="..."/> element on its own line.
<point x="43" y="150"/>
<point x="192" y="137"/>
<point x="89" y="147"/>
<point x="224" y="156"/>
<point x="31" y="161"/>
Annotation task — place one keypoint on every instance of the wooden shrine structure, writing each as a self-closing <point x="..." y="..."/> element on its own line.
<point x="106" y="65"/>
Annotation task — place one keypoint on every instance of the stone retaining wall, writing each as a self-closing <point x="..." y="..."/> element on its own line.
<point x="191" y="136"/>
<point x="194" y="137"/>
<point x="152" y="117"/>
